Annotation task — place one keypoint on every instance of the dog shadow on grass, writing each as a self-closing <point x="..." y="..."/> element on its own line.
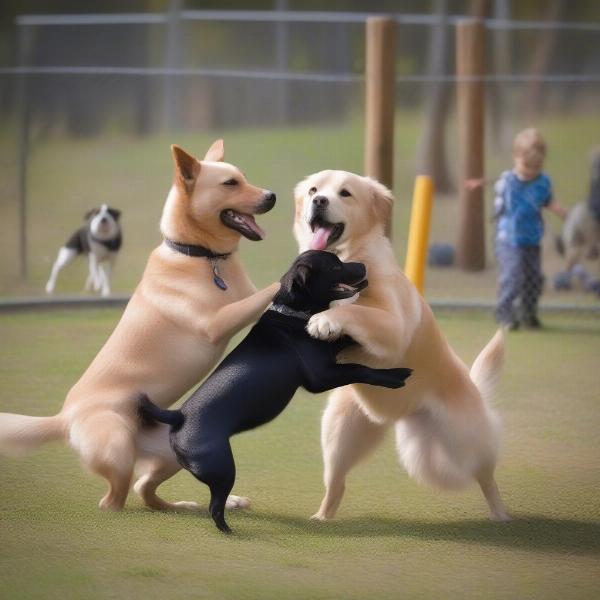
<point x="527" y="532"/>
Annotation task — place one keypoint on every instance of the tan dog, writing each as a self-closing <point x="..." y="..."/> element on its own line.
<point x="446" y="433"/>
<point x="172" y="332"/>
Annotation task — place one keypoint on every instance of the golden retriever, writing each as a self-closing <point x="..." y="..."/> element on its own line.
<point x="447" y="434"/>
<point x="173" y="331"/>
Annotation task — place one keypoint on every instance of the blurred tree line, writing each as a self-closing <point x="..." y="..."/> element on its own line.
<point x="83" y="105"/>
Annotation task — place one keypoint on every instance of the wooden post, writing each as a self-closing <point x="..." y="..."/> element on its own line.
<point x="470" y="69"/>
<point x="380" y="79"/>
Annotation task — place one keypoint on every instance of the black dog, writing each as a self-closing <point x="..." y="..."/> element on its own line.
<point x="256" y="381"/>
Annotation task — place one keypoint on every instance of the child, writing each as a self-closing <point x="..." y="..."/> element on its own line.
<point x="520" y="195"/>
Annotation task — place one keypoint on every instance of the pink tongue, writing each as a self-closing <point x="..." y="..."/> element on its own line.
<point x="249" y="220"/>
<point x="320" y="237"/>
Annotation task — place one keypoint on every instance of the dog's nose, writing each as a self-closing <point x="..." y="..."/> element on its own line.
<point x="103" y="220"/>
<point x="269" y="199"/>
<point x="320" y="201"/>
<point x="267" y="202"/>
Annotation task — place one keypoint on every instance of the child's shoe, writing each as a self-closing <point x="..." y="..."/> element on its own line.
<point x="532" y="323"/>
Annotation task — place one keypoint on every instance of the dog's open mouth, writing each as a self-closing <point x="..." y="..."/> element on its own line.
<point x="243" y="223"/>
<point x="324" y="232"/>
<point x="345" y="290"/>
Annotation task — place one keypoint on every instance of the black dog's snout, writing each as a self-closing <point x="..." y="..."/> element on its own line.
<point x="356" y="270"/>
<point x="267" y="202"/>
<point x="103" y="220"/>
<point x="320" y="201"/>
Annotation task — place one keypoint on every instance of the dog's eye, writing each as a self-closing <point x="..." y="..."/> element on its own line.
<point x="313" y="190"/>
<point x="231" y="182"/>
<point x="344" y="193"/>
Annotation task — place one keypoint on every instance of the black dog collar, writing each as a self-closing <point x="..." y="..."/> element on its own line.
<point x="192" y="250"/>
<point x="202" y="252"/>
<point x="288" y="312"/>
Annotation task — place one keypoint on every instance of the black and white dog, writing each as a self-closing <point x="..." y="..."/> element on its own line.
<point x="100" y="240"/>
<point x="257" y="380"/>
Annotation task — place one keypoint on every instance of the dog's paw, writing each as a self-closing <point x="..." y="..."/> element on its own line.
<point x="501" y="517"/>
<point x="319" y="517"/>
<point x="322" y="327"/>
<point x="49" y="288"/>
<point x="237" y="502"/>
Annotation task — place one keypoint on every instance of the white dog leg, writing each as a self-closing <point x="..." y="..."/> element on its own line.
<point x="106" y="271"/>
<point x="65" y="257"/>
<point x="93" y="282"/>
<point x="489" y="487"/>
<point x="347" y="436"/>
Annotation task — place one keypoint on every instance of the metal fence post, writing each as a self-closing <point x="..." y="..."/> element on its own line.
<point x="172" y="85"/>
<point x="380" y="81"/>
<point x="470" y="69"/>
<point x="22" y="94"/>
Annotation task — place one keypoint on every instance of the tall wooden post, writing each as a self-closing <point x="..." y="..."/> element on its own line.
<point x="380" y="80"/>
<point x="470" y="69"/>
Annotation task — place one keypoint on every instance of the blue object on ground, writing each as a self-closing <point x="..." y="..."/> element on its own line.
<point x="562" y="281"/>
<point x="440" y="255"/>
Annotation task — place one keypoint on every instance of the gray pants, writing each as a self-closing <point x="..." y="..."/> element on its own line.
<point x="519" y="276"/>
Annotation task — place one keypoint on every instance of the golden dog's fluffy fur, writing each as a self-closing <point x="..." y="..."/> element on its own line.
<point x="173" y="331"/>
<point x="447" y="434"/>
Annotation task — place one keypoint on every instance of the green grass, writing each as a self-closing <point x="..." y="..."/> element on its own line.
<point x="392" y="538"/>
<point x="67" y="177"/>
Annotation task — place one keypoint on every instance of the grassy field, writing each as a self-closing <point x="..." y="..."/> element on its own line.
<point x="67" y="177"/>
<point x="392" y="538"/>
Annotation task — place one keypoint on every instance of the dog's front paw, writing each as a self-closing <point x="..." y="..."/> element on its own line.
<point x="322" y="327"/>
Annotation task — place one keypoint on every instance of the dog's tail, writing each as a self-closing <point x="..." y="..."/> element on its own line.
<point x="150" y="413"/>
<point x="20" y="433"/>
<point x="487" y="368"/>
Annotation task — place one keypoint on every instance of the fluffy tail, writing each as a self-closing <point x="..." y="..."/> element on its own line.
<point x="20" y="433"/>
<point x="487" y="368"/>
<point x="150" y="413"/>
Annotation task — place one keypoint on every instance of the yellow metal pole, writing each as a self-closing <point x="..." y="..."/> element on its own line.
<point x="418" y="234"/>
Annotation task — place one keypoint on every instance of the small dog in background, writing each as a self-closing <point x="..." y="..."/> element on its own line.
<point x="580" y="237"/>
<point x="100" y="240"/>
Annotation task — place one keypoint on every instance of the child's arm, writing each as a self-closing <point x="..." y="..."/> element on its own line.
<point x="473" y="184"/>
<point x="557" y="209"/>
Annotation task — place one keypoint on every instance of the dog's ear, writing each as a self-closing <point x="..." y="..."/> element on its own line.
<point x="90" y="213"/>
<point x="187" y="169"/>
<point x="382" y="201"/>
<point x="301" y="275"/>
<point x="216" y="153"/>
<point x="295" y="278"/>
<point x="114" y="213"/>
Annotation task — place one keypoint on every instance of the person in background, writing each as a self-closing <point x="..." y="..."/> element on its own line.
<point x="520" y="195"/>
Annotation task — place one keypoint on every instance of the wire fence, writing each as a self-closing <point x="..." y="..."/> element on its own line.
<point x="90" y="104"/>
